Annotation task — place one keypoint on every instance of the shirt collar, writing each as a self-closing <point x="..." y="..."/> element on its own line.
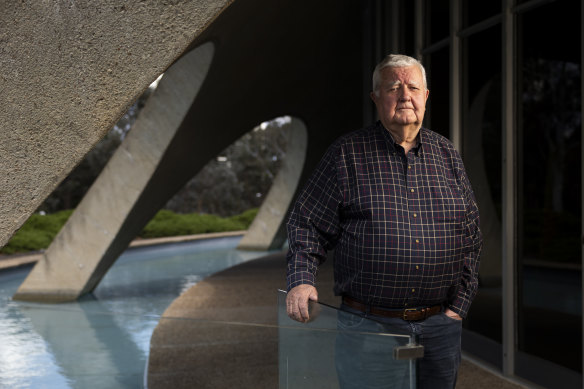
<point x="391" y="142"/>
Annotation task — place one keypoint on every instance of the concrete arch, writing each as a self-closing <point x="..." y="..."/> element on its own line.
<point x="78" y="257"/>
<point x="269" y="60"/>
<point x="70" y="69"/>
<point x="267" y="230"/>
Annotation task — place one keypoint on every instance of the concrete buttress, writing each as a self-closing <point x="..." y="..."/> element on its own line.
<point x="269" y="59"/>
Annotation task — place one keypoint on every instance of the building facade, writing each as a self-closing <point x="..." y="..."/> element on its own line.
<point x="505" y="80"/>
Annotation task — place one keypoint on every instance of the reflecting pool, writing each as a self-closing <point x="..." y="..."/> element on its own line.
<point x="102" y="341"/>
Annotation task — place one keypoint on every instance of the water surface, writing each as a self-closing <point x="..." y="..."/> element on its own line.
<point x="102" y="341"/>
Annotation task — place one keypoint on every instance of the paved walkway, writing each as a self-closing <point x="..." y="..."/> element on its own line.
<point x="186" y="353"/>
<point x="201" y="350"/>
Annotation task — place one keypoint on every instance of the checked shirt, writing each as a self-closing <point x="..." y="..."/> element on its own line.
<point x="405" y="228"/>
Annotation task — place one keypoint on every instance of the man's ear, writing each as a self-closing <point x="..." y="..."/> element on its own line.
<point x="374" y="97"/>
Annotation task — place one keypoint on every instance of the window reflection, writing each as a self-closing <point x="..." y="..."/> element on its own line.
<point x="477" y="11"/>
<point x="482" y="157"/>
<point x="550" y="187"/>
<point x="437" y="116"/>
<point x="437" y="19"/>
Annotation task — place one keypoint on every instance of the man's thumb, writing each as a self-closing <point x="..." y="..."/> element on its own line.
<point x="314" y="295"/>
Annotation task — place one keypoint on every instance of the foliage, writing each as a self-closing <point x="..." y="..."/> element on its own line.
<point x="37" y="232"/>
<point x="240" y="177"/>
<point x="236" y="180"/>
<point x="168" y="223"/>
<point x="70" y="192"/>
<point x="245" y="218"/>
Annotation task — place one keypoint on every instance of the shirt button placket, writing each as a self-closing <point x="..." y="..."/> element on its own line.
<point x="411" y="182"/>
<point x="413" y="203"/>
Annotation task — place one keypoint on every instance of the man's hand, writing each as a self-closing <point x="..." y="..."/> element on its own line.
<point x="452" y="314"/>
<point x="297" y="302"/>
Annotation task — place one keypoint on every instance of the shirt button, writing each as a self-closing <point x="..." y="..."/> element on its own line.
<point x="411" y="190"/>
<point x="417" y="267"/>
<point x="409" y="166"/>
<point x="415" y="215"/>
<point x="413" y="290"/>
<point x="417" y="240"/>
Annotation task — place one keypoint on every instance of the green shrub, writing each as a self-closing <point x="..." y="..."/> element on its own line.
<point x="245" y="218"/>
<point x="168" y="223"/>
<point x="36" y="233"/>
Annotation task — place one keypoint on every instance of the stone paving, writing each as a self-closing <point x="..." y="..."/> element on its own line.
<point x="216" y="355"/>
<point x="181" y="355"/>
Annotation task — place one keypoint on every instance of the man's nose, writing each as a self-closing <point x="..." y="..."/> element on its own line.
<point x="405" y="94"/>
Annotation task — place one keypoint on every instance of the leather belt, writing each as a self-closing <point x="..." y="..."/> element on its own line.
<point x="408" y="314"/>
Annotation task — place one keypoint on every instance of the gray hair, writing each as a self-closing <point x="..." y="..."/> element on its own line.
<point x="396" y="61"/>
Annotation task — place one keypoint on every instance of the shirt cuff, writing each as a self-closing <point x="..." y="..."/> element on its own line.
<point x="300" y="278"/>
<point x="460" y="306"/>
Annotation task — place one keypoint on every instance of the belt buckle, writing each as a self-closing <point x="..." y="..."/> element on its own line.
<point x="404" y="316"/>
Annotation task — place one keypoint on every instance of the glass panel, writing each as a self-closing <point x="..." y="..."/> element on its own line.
<point x="407" y="18"/>
<point x="482" y="146"/>
<point x="104" y="340"/>
<point x="437" y="20"/>
<point x="437" y="116"/>
<point x="326" y="351"/>
<point x="549" y="268"/>
<point x="126" y="335"/>
<point x="477" y="11"/>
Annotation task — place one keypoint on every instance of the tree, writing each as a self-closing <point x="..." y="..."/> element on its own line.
<point x="240" y="177"/>
<point x="72" y="189"/>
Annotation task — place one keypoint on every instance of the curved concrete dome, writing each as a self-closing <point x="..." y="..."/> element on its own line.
<point x="77" y="259"/>
<point x="267" y="230"/>
<point x="299" y="58"/>
<point x="70" y="69"/>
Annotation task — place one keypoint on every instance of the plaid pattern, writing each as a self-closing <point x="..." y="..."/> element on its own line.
<point x="405" y="228"/>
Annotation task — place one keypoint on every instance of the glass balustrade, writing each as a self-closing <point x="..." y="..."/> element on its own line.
<point x="337" y="349"/>
<point x="133" y="332"/>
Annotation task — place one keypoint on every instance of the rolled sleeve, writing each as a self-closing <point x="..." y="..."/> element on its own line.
<point x="313" y="225"/>
<point x="472" y="248"/>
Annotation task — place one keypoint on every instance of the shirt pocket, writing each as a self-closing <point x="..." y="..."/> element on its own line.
<point x="448" y="205"/>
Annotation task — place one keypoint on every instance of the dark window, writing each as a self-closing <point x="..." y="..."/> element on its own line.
<point x="437" y="17"/>
<point x="481" y="134"/>
<point x="549" y="99"/>
<point x="476" y="11"/>
<point x="437" y="116"/>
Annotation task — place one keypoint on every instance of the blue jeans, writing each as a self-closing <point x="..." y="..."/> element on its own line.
<point x="366" y="361"/>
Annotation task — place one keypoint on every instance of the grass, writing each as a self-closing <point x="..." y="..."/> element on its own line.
<point x="38" y="231"/>
<point x="167" y="223"/>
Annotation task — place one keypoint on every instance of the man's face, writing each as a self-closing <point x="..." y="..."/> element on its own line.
<point x="402" y="97"/>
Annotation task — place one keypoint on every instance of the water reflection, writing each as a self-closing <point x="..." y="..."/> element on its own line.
<point x="86" y="342"/>
<point x="25" y="359"/>
<point x="102" y="341"/>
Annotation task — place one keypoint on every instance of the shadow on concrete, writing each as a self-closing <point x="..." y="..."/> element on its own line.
<point x="196" y="343"/>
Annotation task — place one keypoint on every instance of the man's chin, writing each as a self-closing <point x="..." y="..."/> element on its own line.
<point x="404" y="121"/>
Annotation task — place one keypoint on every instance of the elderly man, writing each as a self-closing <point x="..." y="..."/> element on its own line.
<point x="395" y="203"/>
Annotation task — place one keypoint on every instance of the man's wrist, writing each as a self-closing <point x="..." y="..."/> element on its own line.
<point x="457" y="310"/>
<point x="450" y="313"/>
<point x="300" y="279"/>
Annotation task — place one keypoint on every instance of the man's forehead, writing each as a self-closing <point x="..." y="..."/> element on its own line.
<point x="409" y="75"/>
